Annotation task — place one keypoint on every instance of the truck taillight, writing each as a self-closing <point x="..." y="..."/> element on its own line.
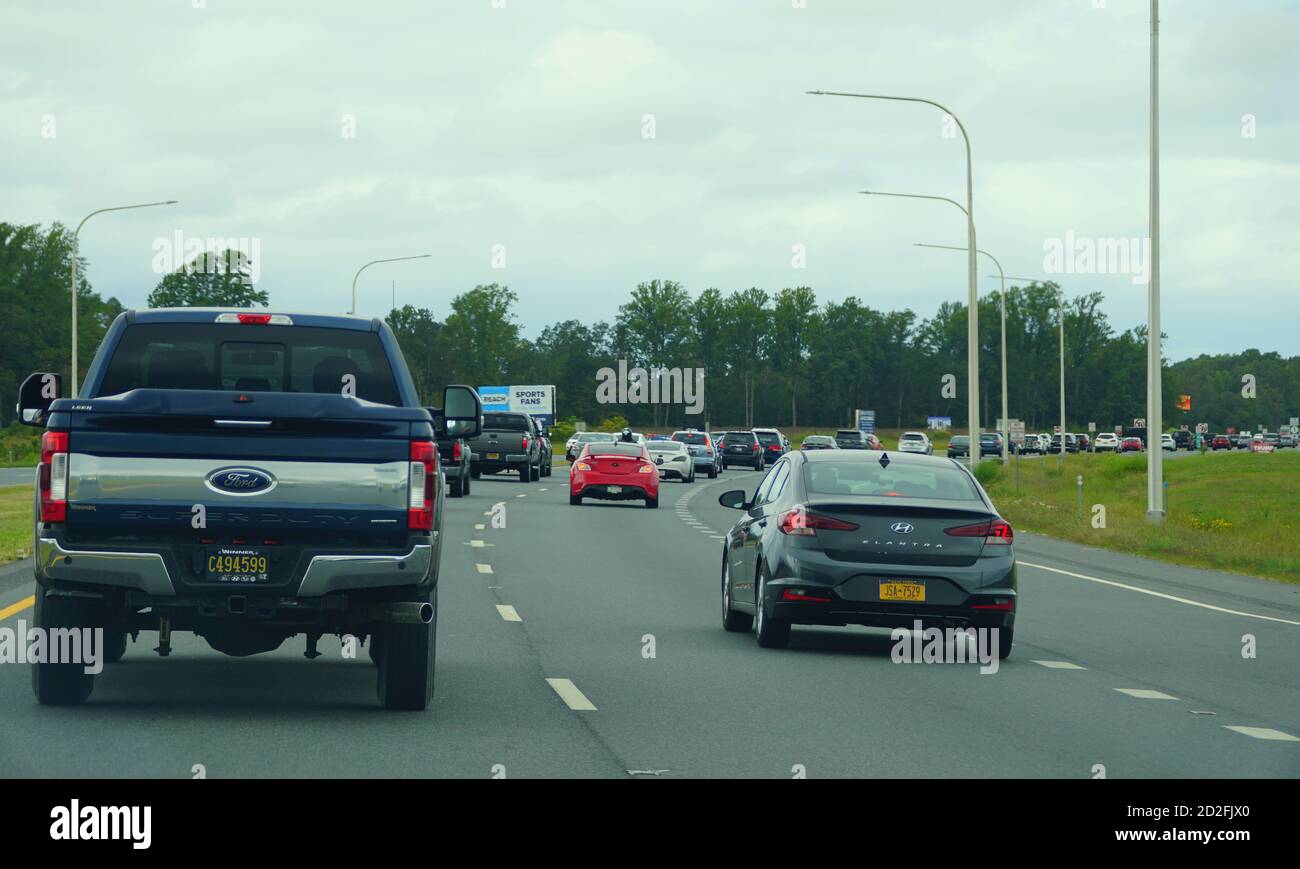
<point x="421" y="482"/>
<point x="523" y="442"/>
<point x="54" y="476"/>
<point x="455" y="450"/>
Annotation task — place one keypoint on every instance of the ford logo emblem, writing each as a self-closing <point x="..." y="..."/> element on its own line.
<point x="901" y="528"/>
<point x="240" y="481"/>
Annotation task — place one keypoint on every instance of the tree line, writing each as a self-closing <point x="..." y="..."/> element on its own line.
<point x="770" y="357"/>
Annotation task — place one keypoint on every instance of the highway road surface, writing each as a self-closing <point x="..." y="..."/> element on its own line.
<point x="585" y="641"/>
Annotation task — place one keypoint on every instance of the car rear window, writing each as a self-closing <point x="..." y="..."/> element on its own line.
<point x="739" y="437"/>
<point x="696" y="438"/>
<point x="250" y="358"/>
<point x="665" y="446"/>
<point x="896" y="480"/>
<point x="912" y="437"/>
<point x="504" y="422"/>
<point x="765" y="438"/>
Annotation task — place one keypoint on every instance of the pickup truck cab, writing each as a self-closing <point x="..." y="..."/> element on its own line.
<point x="249" y="477"/>
<point x="508" y="442"/>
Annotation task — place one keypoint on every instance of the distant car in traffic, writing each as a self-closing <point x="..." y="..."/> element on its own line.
<point x="1106" y="442"/>
<point x="841" y="537"/>
<point x="1131" y="444"/>
<point x="1221" y="442"/>
<point x="819" y="442"/>
<point x="1167" y="442"/>
<point x="990" y="445"/>
<point x="673" y="459"/>
<point x="958" y="446"/>
<point x="774" y="444"/>
<point x="915" y="442"/>
<point x="576" y="443"/>
<point x="742" y="448"/>
<point x="615" y="472"/>
<point x="852" y="439"/>
<point x="1083" y="442"/>
<point x="703" y="450"/>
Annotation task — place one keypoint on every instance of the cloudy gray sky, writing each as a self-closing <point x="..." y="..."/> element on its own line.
<point x="593" y="144"/>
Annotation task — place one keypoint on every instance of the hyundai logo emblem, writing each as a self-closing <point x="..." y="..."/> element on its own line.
<point x="240" y="481"/>
<point x="901" y="528"/>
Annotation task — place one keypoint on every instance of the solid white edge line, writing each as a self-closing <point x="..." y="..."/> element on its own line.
<point x="1262" y="733"/>
<point x="572" y="697"/>
<point x="1159" y="594"/>
<point x="508" y="612"/>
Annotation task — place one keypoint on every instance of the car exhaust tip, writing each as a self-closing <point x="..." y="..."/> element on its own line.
<point x="413" y="613"/>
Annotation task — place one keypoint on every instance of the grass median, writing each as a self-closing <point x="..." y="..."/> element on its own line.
<point x="1226" y="511"/>
<point x="15" y="523"/>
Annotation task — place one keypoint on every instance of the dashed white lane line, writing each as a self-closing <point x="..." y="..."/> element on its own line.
<point x="1145" y="694"/>
<point x="479" y="527"/>
<point x="1160" y="594"/>
<point x="1263" y="733"/>
<point x="543" y="490"/>
<point x="483" y="568"/>
<point x="1059" y="665"/>
<point x="477" y="544"/>
<point x="521" y="496"/>
<point x="569" y="693"/>
<point x="508" y="612"/>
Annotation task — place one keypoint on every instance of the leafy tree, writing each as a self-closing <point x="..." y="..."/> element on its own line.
<point x="214" y="279"/>
<point x="482" y="335"/>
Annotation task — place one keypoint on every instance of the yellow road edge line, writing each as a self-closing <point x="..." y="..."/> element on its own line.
<point x="15" y="609"/>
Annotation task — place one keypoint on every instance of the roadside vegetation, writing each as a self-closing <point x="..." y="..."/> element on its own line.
<point x="15" y="523"/>
<point x="1234" y="511"/>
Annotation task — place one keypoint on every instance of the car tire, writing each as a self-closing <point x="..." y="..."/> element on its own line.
<point x="652" y="503"/>
<point x="474" y="473"/>
<point x="731" y="620"/>
<point x="406" y="664"/>
<point x="713" y="473"/>
<point x="114" y="646"/>
<point x="64" y="684"/>
<point x="457" y="487"/>
<point x="1005" y="638"/>
<point x="771" y="633"/>
<point x="373" y="645"/>
<point x="575" y="500"/>
<point x="526" y="474"/>
<point x="466" y="477"/>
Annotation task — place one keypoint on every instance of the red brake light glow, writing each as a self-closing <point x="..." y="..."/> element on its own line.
<point x="54" y="476"/>
<point x="801" y="523"/>
<point x="421" y="481"/>
<point x="995" y="531"/>
<point x="797" y="594"/>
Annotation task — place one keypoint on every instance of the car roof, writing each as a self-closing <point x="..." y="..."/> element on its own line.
<point x="870" y="456"/>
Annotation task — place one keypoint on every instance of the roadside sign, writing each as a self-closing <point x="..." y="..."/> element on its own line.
<point x="1139" y="422"/>
<point x="866" y="421"/>
<point x="1017" y="431"/>
<point x="1119" y="429"/>
<point x="1092" y="426"/>
<point x="1295" y="422"/>
<point x="1202" y="428"/>
<point x="938" y="423"/>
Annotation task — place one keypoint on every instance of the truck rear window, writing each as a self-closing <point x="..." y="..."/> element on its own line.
<point x="250" y="358"/>
<point x="505" y="422"/>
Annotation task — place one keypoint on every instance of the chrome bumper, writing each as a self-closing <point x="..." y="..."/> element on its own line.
<point x="147" y="571"/>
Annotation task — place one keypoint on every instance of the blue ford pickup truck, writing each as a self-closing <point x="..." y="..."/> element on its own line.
<point x="248" y="477"/>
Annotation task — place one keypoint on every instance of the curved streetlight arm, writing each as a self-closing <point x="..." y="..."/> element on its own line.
<point x="374" y="262"/>
<point x="972" y="326"/>
<point x="75" y="236"/>
<point x="919" y="196"/>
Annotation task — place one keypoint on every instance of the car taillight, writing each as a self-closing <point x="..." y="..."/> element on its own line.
<point x="54" y="476"/>
<point x="255" y="319"/>
<point x="801" y="523"/>
<point x="583" y="466"/>
<point x="798" y="594"/>
<point x="755" y="449"/>
<point x="455" y="450"/>
<point x="421" y="481"/>
<point x="994" y="531"/>
<point x="997" y="604"/>
<point x="523" y="442"/>
<point x="646" y="469"/>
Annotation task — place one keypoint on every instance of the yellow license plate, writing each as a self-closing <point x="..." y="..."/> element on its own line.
<point x="902" y="590"/>
<point x="494" y="455"/>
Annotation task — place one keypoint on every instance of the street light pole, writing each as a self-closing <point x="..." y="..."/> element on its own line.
<point x="75" y="236"/>
<point x="1002" y="304"/>
<point x="1155" y="392"/>
<point x="972" y="325"/>
<point x="373" y="262"/>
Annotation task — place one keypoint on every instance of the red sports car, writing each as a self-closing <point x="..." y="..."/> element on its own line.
<point x="616" y="472"/>
<point x="1220" y="442"/>
<point x="1130" y="445"/>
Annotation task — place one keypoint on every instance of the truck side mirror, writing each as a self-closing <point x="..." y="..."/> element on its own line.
<point x="36" y="395"/>
<point x="462" y="411"/>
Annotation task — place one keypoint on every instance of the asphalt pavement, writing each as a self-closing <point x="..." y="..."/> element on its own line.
<point x="585" y="641"/>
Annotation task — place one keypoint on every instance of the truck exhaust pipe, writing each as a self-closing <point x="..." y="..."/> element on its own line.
<point x="414" y="613"/>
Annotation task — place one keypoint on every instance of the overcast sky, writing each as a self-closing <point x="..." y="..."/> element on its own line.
<point x="588" y="145"/>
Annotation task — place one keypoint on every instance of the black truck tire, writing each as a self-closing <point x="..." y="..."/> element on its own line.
<point x="63" y="684"/>
<point x="406" y="663"/>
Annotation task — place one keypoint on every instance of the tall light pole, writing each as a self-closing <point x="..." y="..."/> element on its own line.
<point x="75" y="236"/>
<point x="1002" y="304"/>
<point x="1060" y="301"/>
<point x="972" y="325"/>
<point x="373" y="262"/>
<point x="1155" y="393"/>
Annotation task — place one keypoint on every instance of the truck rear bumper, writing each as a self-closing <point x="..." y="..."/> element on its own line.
<point x="147" y="571"/>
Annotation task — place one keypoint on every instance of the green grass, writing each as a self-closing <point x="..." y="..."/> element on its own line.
<point x="1234" y="511"/>
<point x="15" y="523"/>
